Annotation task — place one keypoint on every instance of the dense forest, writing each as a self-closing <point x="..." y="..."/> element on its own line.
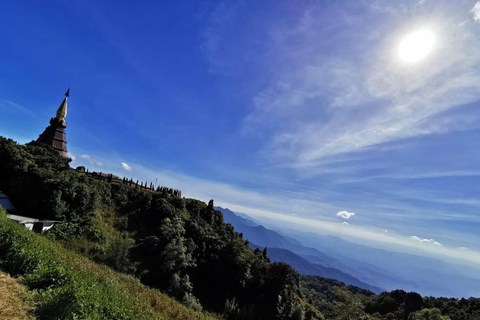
<point x="183" y="248"/>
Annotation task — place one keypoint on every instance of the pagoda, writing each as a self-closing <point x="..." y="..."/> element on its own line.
<point x="54" y="135"/>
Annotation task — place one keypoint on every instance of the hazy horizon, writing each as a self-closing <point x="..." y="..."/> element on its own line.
<point x="317" y="115"/>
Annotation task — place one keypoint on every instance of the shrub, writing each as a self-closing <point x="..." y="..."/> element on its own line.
<point x="66" y="285"/>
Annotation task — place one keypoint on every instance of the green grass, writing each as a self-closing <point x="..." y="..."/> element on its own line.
<point x="65" y="285"/>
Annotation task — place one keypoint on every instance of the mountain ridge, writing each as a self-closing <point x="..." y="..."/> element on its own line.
<point x="389" y="270"/>
<point x="282" y="249"/>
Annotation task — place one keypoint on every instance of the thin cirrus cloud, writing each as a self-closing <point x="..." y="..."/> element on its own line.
<point x="7" y="105"/>
<point x="342" y="94"/>
<point x="273" y="208"/>
<point x="92" y="160"/>
<point x="414" y="176"/>
<point x="431" y="241"/>
<point x="476" y="12"/>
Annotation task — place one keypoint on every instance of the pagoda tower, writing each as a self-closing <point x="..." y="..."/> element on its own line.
<point x="54" y="135"/>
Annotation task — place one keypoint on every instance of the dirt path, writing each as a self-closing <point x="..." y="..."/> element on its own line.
<point x="12" y="306"/>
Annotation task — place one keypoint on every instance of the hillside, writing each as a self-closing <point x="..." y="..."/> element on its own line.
<point x="14" y="304"/>
<point x="66" y="285"/>
<point x="305" y="267"/>
<point x="179" y="246"/>
<point x="114" y="240"/>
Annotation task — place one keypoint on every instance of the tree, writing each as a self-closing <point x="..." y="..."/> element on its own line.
<point x="182" y="246"/>
<point x="413" y="302"/>
<point x="347" y="306"/>
<point x="428" y="314"/>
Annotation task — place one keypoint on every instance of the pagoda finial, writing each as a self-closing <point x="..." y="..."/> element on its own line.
<point x="54" y="135"/>
<point x="62" y="110"/>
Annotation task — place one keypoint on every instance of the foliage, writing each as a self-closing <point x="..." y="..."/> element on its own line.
<point x="68" y="286"/>
<point x="179" y="246"/>
<point x="428" y="314"/>
<point x="337" y="301"/>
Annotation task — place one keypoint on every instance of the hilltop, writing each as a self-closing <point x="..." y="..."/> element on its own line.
<point x="115" y="239"/>
<point x="179" y="246"/>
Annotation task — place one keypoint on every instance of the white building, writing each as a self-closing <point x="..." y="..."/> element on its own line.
<point x="37" y="225"/>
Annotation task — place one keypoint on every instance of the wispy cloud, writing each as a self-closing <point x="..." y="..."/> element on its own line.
<point x="213" y="36"/>
<point x="431" y="241"/>
<point x="310" y="215"/>
<point x="7" y="105"/>
<point x="91" y="160"/>
<point x="342" y="94"/>
<point x="416" y="176"/>
<point x="476" y="12"/>
<point x="71" y="156"/>
<point x="367" y="234"/>
<point x="126" y="167"/>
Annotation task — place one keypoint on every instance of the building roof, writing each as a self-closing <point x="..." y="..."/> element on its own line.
<point x="21" y="219"/>
<point x="5" y="202"/>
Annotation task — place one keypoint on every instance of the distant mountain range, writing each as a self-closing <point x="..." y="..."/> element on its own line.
<point x="288" y="250"/>
<point x="365" y="267"/>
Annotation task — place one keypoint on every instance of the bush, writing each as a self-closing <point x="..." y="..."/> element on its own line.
<point x="68" y="286"/>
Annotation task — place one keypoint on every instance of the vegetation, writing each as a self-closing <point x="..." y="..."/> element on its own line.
<point x="66" y="285"/>
<point x="14" y="302"/>
<point x="178" y="246"/>
<point x="337" y="301"/>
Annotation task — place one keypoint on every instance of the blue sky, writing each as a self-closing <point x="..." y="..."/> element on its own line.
<point x="296" y="112"/>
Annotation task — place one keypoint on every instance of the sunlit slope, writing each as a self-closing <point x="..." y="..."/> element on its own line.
<point x="14" y="304"/>
<point x="68" y="286"/>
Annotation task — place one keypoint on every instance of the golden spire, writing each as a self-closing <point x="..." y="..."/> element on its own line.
<point x="62" y="110"/>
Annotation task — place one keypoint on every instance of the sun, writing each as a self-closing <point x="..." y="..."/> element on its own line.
<point x="416" y="46"/>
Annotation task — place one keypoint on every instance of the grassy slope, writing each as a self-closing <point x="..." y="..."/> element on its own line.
<point x="66" y="285"/>
<point x="13" y="305"/>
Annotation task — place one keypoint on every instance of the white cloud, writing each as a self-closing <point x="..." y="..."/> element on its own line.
<point x="345" y="223"/>
<point x="91" y="160"/>
<point x="366" y="234"/>
<point x="126" y="167"/>
<point x="318" y="104"/>
<point x="345" y="214"/>
<point x="71" y="156"/>
<point x="431" y="241"/>
<point x="274" y="208"/>
<point x="476" y="12"/>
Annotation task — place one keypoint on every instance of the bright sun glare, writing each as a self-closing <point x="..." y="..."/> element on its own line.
<point x="416" y="46"/>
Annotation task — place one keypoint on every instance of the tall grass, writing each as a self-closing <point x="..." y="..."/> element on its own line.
<point x="14" y="302"/>
<point x="66" y="285"/>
